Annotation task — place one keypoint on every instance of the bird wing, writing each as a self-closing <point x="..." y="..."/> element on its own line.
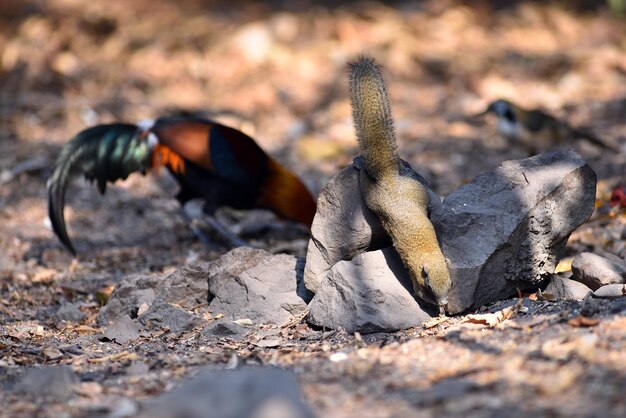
<point x="225" y="152"/>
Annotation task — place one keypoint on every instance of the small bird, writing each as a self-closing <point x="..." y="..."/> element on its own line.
<point x="618" y="200"/>
<point x="536" y="130"/>
<point x="221" y="165"/>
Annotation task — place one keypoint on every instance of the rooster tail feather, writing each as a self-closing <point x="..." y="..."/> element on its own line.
<point x="104" y="153"/>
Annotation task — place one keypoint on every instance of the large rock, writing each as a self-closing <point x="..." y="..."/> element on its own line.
<point x="507" y="228"/>
<point x="501" y="232"/>
<point x="596" y="271"/>
<point x="253" y="284"/>
<point x="370" y="293"/>
<point x="243" y="393"/>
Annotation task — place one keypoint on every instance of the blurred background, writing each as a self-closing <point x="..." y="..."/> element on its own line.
<point x="277" y="70"/>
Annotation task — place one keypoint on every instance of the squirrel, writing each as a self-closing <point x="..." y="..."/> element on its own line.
<point x="400" y="202"/>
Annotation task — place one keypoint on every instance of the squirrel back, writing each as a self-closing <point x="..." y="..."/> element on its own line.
<point x="400" y="202"/>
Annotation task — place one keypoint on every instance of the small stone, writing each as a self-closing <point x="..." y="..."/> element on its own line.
<point x="596" y="271"/>
<point x="243" y="392"/>
<point x="123" y="408"/>
<point x="132" y="292"/>
<point x="123" y="330"/>
<point x="169" y="317"/>
<point x="69" y="312"/>
<point x="49" y="382"/>
<point x="566" y="289"/>
<point x="227" y="329"/>
<point x="138" y="368"/>
<point x="611" y="291"/>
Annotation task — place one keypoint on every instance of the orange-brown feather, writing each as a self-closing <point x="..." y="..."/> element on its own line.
<point x="286" y="195"/>
<point x="188" y="139"/>
<point x="163" y="156"/>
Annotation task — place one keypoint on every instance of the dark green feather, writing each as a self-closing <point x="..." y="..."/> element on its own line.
<point x="104" y="153"/>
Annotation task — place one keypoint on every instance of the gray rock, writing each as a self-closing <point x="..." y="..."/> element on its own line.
<point x="563" y="288"/>
<point x="245" y="283"/>
<point x="135" y="293"/>
<point x="501" y="232"/>
<point x="48" y="382"/>
<point x="254" y="284"/>
<point x="132" y="293"/>
<point x="167" y="316"/>
<point x="596" y="271"/>
<point x="243" y="393"/>
<point x="611" y="291"/>
<point x="138" y="368"/>
<point x="506" y="229"/>
<point x="228" y="329"/>
<point x="186" y="287"/>
<point x="69" y="312"/>
<point x="368" y="294"/>
<point x="123" y="330"/>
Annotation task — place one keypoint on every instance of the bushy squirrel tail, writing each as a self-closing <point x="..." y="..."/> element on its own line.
<point x="371" y="112"/>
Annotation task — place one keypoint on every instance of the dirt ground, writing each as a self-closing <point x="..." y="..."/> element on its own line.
<point x="277" y="70"/>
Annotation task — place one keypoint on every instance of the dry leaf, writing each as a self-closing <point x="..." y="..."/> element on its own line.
<point x="103" y="294"/>
<point x="490" y="320"/>
<point x="564" y="265"/>
<point x="583" y="321"/>
<point x="433" y="322"/>
<point x="269" y="343"/>
<point x="44" y="275"/>
<point x="84" y="329"/>
<point x="123" y="356"/>
<point x="337" y="357"/>
<point x="88" y="389"/>
<point x="51" y="352"/>
<point x="546" y="296"/>
<point x="493" y="319"/>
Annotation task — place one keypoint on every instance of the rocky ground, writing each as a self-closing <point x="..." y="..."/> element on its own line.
<point x="277" y="70"/>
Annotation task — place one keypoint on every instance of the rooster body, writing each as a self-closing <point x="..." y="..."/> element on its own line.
<point x="219" y="164"/>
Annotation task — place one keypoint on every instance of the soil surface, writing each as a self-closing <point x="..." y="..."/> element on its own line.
<point x="277" y="70"/>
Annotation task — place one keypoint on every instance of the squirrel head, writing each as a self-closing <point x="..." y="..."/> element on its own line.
<point x="437" y="283"/>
